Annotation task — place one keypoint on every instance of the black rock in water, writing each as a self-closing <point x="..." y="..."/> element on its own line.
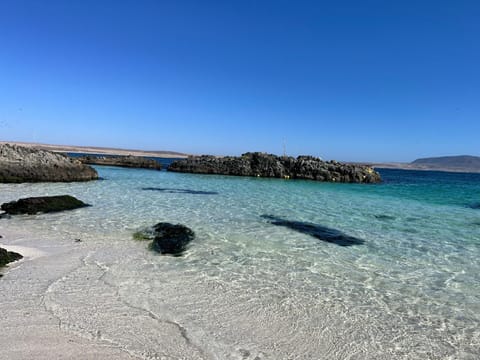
<point x="317" y="231"/>
<point x="42" y="204"/>
<point x="474" y="205"/>
<point x="8" y="256"/>
<point x="268" y="165"/>
<point x="171" y="239"/>
<point x="167" y="238"/>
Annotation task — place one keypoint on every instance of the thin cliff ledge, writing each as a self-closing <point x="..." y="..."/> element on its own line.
<point x="128" y="161"/>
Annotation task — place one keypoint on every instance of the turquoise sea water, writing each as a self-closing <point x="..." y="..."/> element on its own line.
<point x="247" y="288"/>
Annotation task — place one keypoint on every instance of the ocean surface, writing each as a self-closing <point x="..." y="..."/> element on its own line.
<point x="279" y="269"/>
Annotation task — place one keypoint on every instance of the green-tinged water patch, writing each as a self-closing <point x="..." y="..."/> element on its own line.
<point x="141" y="236"/>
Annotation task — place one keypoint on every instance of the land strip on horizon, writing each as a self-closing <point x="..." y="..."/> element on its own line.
<point x="410" y="166"/>
<point x="98" y="150"/>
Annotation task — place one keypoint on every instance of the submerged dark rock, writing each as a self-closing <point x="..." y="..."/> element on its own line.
<point x="122" y="161"/>
<point x="23" y="164"/>
<point x="317" y="231"/>
<point x="268" y="165"/>
<point x="42" y="204"/>
<point x="475" y="205"/>
<point x="8" y="257"/>
<point x="167" y="238"/>
<point x="180" y="191"/>
<point x="385" y="217"/>
<point x="171" y="239"/>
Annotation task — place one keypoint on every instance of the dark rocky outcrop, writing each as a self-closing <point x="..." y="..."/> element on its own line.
<point x="8" y="256"/>
<point x="267" y="165"/>
<point x="122" y="161"/>
<point x="42" y="204"/>
<point x="317" y="231"/>
<point x="167" y="238"/>
<point x="23" y="164"/>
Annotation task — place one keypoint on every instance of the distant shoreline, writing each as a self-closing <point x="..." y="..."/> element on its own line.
<point x="173" y="154"/>
<point x="98" y="150"/>
<point x="407" y="166"/>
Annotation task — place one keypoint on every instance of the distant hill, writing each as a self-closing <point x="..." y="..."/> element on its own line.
<point x="455" y="163"/>
<point x="461" y="163"/>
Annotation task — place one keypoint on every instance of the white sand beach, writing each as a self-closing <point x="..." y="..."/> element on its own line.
<point x="30" y="329"/>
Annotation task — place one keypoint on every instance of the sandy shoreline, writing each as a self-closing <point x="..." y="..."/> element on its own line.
<point x="28" y="253"/>
<point x="98" y="150"/>
<point x="30" y="328"/>
<point x="58" y="303"/>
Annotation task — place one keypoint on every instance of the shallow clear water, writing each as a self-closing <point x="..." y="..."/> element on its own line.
<point x="247" y="288"/>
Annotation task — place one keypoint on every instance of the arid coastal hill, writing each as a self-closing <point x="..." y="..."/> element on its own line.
<point x="460" y="163"/>
<point x="99" y="150"/>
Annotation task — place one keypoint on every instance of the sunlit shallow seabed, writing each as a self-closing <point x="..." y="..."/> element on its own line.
<point x="261" y="280"/>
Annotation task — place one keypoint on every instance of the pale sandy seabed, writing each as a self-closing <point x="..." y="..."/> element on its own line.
<point x="245" y="289"/>
<point x="57" y="303"/>
<point x="60" y="302"/>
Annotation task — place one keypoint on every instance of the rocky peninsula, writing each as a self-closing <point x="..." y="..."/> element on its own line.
<point x="272" y="166"/>
<point x="129" y="161"/>
<point x="21" y="164"/>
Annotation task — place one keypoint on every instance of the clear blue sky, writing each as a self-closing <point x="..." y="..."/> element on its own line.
<point x="346" y="80"/>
